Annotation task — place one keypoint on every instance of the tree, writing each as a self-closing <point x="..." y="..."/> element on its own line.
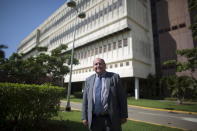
<point x="2" y="53"/>
<point x="190" y="63"/>
<point x="12" y="69"/>
<point x="193" y="8"/>
<point x="57" y="63"/>
<point x="42" y="68"/>
<point x="179" y="85"/>
<point x="2" y="61"/>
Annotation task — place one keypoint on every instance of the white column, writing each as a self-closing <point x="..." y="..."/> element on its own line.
<point x="136" y="88"/>
<point x="83" y="86"/>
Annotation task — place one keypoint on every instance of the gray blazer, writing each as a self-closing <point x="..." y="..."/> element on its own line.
<point x="117" y="100"/>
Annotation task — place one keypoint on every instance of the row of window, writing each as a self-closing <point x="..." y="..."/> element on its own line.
<point x="102" y="49"/>
<point x="88" y="20"/>
<point x="66" y="15"/>
<point x="70" y="12"/>
<point x="175" y="27"/>
<point x="30" y="39"/>
<point x="108" y="66"/>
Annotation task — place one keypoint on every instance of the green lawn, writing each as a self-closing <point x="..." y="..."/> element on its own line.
<point x="71" y="121"/>
<point x="161" y="104"/>
<point x="171" y="105"/>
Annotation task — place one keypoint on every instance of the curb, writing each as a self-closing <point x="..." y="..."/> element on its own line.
<point x="166" y="110"/>
<point x="157" y="109"/>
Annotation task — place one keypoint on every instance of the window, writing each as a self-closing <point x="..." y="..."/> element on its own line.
<point x="182" y="25"/>
<point x="121" y="64"/>
<point x="88" y="53"/>
<point x="85" y="54"/>
<point x="81" y="55"/>
<point x="174" y="27"/>
<point x="96" y="51"/>
<point x="167" y="29"/>
<point x="116" y="65"/>
<point x="125" y="42"/>
<point x="100" y="49"/>
<point x="127" y="63"/>
<point x="92" y="53"/>
<point x="119" y="44"/>
<point x="105" y="11"/>
<point x="114" y="45"/>
<point x="104" y="48"/>
<point x="109" y="46"/>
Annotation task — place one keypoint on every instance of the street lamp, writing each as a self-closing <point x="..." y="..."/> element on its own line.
<point x="72" y="4"/>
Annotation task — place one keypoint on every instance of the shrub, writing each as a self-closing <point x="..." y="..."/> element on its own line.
<point x="22" y="102"/>
<point x="78" y="94"/>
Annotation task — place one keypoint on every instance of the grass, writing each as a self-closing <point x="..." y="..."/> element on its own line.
<point x="71" y="121"/>
<point x="161" y="104"/>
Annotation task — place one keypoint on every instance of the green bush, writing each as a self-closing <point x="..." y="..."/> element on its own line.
<point x="22" y="102"/>
<point x="78" y="94"/>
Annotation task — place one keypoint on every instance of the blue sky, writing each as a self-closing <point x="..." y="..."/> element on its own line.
<point x="18" y="18"/>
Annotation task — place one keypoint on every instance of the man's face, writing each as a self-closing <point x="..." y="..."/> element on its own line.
<point x="99" y="66"/>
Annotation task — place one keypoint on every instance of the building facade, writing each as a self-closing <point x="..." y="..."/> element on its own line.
<point x="171" y="32"/>
<point x="119" y="31"/>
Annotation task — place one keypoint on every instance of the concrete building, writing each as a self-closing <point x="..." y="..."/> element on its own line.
<point x="119" y="31"/>
<point x="134" y="37"/>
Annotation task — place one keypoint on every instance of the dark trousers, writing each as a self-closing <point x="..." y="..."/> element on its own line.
<point x="101" y="123"/>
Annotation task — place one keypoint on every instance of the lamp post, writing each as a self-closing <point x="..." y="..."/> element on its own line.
<point x="72" y="4"/>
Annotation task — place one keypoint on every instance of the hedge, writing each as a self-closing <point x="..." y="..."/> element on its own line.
<point x="23" y="102"/>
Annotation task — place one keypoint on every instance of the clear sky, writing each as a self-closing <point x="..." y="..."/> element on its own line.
<point x="18" y="18"/>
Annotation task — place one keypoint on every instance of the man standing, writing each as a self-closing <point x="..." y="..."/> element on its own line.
<point x="104" y="100"/>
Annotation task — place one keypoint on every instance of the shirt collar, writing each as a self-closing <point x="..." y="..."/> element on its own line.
<point x="101" y="75"/>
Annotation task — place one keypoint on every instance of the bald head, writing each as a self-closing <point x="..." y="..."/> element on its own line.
<point x="99" y="65"/>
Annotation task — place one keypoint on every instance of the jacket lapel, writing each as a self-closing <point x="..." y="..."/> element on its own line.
<point x="91" y="86"/>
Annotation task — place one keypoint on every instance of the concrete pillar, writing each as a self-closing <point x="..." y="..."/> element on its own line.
<point x="83" y="86"/>
<point x="136" y="88"/>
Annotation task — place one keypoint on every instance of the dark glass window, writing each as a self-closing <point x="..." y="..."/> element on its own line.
<point x="114" y="45"/>
<point x="100" y="49"/>
<point x="96" y="51"/>
<point x="125" y="42"/>
<point x="85" y="54"/>
<point x="182" y="25"/>
<point x="109" y="46"/>
<point x="104" y="48"/>
<point x="174" y="27"/>
<point x="167" y="29"/>
<point x="119" y="44"/>
<point x="82" y="56"/>
<point x="92" y="52"/>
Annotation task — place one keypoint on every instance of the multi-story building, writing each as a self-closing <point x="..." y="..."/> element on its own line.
<point x="119" y="31"/>
<point x="171" y="32"/>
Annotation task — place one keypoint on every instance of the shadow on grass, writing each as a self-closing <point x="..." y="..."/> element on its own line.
<point x="169" y="108"/>
<point x="49" y="125"/>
